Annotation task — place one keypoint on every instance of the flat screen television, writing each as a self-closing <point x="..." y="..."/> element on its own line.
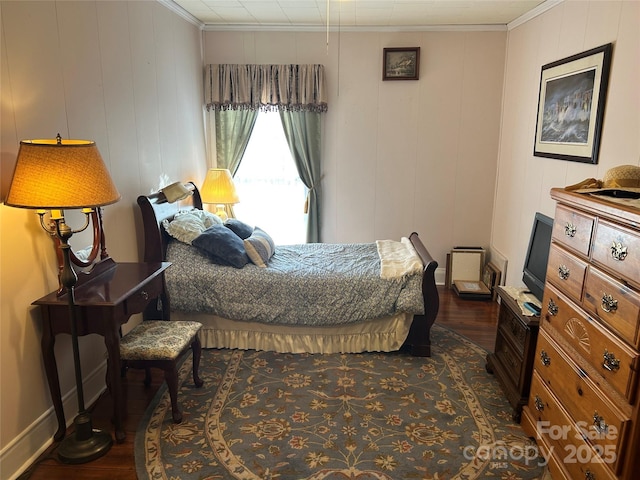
<point x="535" y="263"/>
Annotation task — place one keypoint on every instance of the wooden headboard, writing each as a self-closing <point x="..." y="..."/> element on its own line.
<point x="155" y="209"/>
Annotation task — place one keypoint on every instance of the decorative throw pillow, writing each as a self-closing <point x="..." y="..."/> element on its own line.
<point x="209" y="219"/>
<point x="239" y="228"/>
<point x="187" y="225"/>
<point x="222" y="246"/>
<point x="259" y="247"/>
<point x="184" y="227"/>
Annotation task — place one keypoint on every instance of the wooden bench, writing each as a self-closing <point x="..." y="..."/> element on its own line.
<point x="160" y="344"/>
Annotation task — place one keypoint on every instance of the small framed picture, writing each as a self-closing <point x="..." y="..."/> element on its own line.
<point x="401" y="63"/>
<point x="491" y="278"/>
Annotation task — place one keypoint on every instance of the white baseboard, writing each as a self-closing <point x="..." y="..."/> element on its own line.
<point x="21" y="452"/>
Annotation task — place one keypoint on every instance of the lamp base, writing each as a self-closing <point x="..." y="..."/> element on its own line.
<point x="221" y="211"/>
<point x="85" y="444"/>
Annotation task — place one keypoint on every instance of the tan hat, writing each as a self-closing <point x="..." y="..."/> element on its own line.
<point x="622" y="181"/>
<point x="176" y="191"/>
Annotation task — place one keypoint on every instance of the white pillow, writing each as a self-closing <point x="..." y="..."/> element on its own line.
<point x="207" y="218"/>
<point x="188" y="225"/>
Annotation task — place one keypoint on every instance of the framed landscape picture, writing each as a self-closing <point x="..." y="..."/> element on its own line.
<point x="571" y="106"/>
<point x="401" y="63"/>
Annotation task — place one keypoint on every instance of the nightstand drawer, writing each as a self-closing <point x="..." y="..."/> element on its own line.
<point x="603" y="424"/>
<point x="511" y="327"/>
<point x="618" y="250"/>
<point x="565" y="438"/>
<point x="609" y="356"/>
<point x="139" y="299"/>
<point x="566" y="272"/>
<point x="573" y="229"/>
<point x="615" y="303"/>
<point x="509" y="357"/>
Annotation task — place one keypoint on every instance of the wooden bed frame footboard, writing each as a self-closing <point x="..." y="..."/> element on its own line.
<point x="419" y="339"/>
<point x="155" y="209"/>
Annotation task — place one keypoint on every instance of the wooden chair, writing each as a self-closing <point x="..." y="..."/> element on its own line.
<point x="160" y="344"/>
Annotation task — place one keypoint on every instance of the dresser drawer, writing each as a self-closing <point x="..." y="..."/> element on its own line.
<point x="573" y="229"/>
<point x="610" y="356"/>
<point x="618" y="249"/>
<point x="137" y="302"/>
<point x="601" y="422"/>
<point x="565" y="440"/>
<point x="615" y="303"/>
<point x="566" y="272"/>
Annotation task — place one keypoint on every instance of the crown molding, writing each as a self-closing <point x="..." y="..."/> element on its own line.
<point x="337" y="28"/>
<point x="177" y="9"/>
<point x="531" y="14"/>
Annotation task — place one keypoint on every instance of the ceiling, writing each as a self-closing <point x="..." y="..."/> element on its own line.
<point x="356" y="14"/>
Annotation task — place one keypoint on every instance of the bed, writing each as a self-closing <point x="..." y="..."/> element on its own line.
<point x="406" y="329"/>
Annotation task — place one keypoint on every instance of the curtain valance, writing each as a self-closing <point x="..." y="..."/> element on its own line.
<point x="265" y="87"/>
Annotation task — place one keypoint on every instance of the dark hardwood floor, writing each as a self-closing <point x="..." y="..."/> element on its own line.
<point x="476" y="320"/>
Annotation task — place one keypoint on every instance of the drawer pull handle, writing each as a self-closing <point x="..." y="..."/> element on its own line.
<point x="552" y="308"/>
<point x="609" y="304"/>
<point x="539" y="404"/>
<point x="563" y="272"/>
<point x="144" y="294"/>
<point x="610" y="362"/>
<point x="545" y="358"/>
<point x="599" y="425"/>
<point x="570" y="230"/>
<point x="618" y="251"/>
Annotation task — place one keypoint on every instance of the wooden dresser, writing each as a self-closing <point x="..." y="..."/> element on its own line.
<point x="583" y="407"/>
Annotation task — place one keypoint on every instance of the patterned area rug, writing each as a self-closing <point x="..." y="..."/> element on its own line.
<point x="263" y="415"/>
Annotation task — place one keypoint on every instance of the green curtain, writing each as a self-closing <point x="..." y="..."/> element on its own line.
<point x="233" y="130"/>
<point x="303" y="130"/>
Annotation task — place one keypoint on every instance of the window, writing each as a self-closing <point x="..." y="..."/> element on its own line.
<point x="272" y="196"/>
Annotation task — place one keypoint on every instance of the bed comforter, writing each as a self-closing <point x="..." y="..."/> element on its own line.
<point x="314" y="284"/>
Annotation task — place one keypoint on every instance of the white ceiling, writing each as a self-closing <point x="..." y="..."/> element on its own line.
<point x="400" y="14"/>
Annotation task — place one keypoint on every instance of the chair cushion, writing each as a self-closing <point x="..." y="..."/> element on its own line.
<point x="158" y="340"/>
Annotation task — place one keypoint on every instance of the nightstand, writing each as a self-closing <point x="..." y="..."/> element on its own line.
<point x="512" y="360"/>
<point x="105" y="300"/>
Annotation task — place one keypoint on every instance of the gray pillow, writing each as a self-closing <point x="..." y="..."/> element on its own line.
<point x="222" y="246"/>
<point x="239" y="228"/>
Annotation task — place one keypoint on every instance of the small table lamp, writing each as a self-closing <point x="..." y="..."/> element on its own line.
<point x="54" y="175"/>
<point x="218" y="188"/>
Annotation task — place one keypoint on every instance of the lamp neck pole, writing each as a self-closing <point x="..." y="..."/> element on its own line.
<point x="68" y="278"/>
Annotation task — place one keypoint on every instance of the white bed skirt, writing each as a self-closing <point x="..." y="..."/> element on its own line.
<point x="380" y="335"/>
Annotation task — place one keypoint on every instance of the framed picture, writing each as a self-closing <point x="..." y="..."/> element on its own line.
<point x="401" y="63"/>
<point x="491" y="278"/>
<point x="571" y="106"/>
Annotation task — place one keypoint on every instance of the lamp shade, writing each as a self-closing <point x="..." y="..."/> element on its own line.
<point x="218" y="187"/>
<point x="60" y="174"/>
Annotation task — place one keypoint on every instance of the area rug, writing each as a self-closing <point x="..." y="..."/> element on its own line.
<point x="263" y="415"/>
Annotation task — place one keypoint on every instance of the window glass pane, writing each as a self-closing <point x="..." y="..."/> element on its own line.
<point x="272" y="196"/>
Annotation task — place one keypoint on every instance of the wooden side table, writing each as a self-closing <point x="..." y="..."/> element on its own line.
<point x="105" y="300"/>
<point x="513" y="356"/>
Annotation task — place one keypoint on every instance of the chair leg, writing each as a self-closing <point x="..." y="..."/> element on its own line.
<point x="171" y="377"/>
<point x="196" y="348"/>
